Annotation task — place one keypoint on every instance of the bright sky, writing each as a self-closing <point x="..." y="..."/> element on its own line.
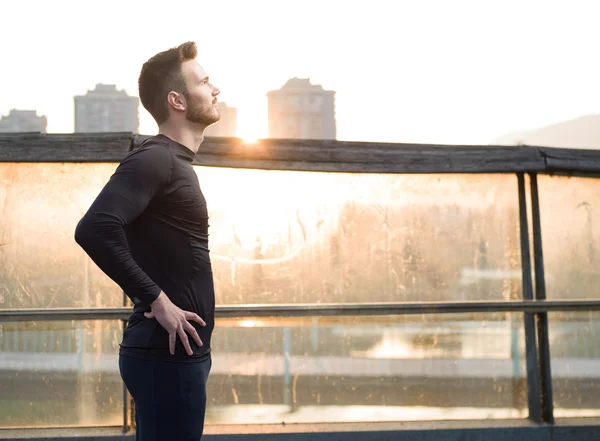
<point x="404" y="71"/>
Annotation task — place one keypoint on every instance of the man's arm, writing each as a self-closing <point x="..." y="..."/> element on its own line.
<point x="137" y="180"/>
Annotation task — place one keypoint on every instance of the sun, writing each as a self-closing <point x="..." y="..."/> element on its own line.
<point x="250" y="139"/>
<point x="251" y="126"/>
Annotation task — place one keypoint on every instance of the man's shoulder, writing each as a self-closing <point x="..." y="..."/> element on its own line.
<point x="153" y="148"/>
<point x="152" y="159"/>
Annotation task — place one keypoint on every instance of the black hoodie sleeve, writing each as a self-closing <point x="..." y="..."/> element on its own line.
<point x="141" y="176"/>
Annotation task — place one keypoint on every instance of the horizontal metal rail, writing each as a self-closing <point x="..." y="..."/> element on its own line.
<point x="323" y="310"/>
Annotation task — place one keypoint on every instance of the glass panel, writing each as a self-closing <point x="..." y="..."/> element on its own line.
<point x="570" y="210"/>
<point x="281" y="236"/>
<point x="41" y="266"/>
<point x="60" y="374"/>
<point x="575" y="355"/>
<point x="367" y="369"/>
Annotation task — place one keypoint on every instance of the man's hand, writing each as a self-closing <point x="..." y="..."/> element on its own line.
<point x="175" y="321"/>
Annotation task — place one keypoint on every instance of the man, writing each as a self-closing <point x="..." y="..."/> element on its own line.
<point x="148" y="231"/>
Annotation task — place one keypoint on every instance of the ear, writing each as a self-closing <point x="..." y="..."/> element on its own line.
<point x="176" y="101"/>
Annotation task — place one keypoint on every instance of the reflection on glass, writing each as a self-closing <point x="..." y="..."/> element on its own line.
<point x="367" y="369"/>
<point x="570" y="212"/>
<point x="280" y="236"/>
<point x="575" y="363"/>
<point x="271" y="370"/>
<point x="60" y="374"/>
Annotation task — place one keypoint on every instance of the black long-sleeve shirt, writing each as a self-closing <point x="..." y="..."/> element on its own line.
<point x="148" y="231"/>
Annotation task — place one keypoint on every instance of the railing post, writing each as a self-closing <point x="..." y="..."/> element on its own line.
<point x="128" y="404"/>
<point x="531" y="355"/>
<point x="541" y="317"/>
<point x="287" y="355"/>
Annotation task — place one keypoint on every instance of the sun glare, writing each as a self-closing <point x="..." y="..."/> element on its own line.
<point x="250" y="323"/>
<point x="251" y="126"/>
<point x="250" y="140"/>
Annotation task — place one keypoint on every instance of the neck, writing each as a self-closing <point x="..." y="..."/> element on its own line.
<point x="188" y="134"/>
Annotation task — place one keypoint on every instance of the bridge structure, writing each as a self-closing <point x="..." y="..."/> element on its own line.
<point x="475" y="349"/>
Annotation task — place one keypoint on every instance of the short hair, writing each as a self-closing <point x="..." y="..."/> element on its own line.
<point x="160" y="75"/>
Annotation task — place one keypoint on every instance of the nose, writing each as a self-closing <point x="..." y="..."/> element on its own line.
<point x="216" y="91"/>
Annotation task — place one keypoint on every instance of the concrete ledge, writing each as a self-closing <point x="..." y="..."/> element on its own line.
<point x="503" y="430"/>
<point x="52" y="434"/>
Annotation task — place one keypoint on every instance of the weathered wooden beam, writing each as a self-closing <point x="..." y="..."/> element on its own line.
<point x="80" y="147"/>
<point x="310" y="155"/>
<point x="571" y="161"/>
<point x="341" y="156"/>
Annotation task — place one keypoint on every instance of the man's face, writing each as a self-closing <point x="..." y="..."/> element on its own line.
<point x="201" y="95"/>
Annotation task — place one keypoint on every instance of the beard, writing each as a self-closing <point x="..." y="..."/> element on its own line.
<point x="202" y="114"/>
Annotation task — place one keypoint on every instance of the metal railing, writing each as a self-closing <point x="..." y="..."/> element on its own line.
<point x="539" y="380"/>
<point x="320" y="310"/>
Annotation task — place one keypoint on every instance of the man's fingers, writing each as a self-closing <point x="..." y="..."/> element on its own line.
<point x="195" y="317"/>
<point x="189" y="328"/>
<point x="184" y="339"/>
<point x="172" y="337"/>
<point x="149" y="315"/>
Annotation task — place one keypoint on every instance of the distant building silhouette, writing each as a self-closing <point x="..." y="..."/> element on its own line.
<point x="301" y="110"/>
<point x="106" y="109"/>
<point x="23" y="121"/>
<point x="227" y="125"/>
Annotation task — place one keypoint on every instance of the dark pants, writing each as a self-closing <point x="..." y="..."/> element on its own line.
<point x="170" y="397"/>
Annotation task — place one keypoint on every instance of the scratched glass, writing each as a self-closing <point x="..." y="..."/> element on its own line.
<point x="280" y="236"/>
<point x="575" y="363"/>
<point x="368" y="369"/>
<point x="60" y="373"/>
<point x="570" y="218"/>
<point x="269" y="370"/>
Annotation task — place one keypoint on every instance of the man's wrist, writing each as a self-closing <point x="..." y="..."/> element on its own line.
<point x="160" y="301"/>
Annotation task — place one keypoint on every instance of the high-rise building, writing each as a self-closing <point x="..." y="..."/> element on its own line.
<point x="106" y="109"/>
<point x="227" y="125"/>
<point x="23" y="121"/>
<point x="302" y="110"/>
